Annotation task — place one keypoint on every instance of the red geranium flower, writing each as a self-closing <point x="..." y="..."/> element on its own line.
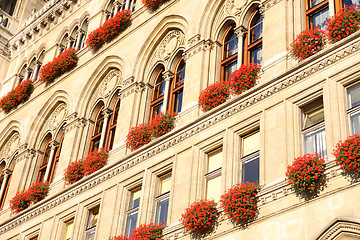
<point x="16" y="96"/>
<point x="214" y="95"/>
<point x="244" y="78"/>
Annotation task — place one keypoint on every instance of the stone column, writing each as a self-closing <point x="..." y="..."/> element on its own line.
<point x="127" y="6"/>
<point x="27" y="74"/>
<point x="116" y="7"/>
<point x="107" y="113"/>
<point x="36" y="71"/>
<point x="6" y="174"/>
<point x="53" y="146"/>
<point x="78" y="38"/>
<point x="240" y="31"/>
<point x="168" y="75"/>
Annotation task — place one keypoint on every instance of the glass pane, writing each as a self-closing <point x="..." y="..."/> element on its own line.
<point x="356" y="3"/>
<point x="315" y="142"/>
<point x="355" y="123"/>
<point x="231" y="47"/>
<point x="162" y="212"/>
<point x="93" y="217"/>
<point x="95" y="144"/>
<point x="251" y="144"/>
<point x="178" y="101"/>
<point x="135" y="199"/>
<point x="156" y="109"/>
<point x="68" y="229"/>
<point x="354" y="96"/>
<point x="131" y="223"/>
<point x="256" y="30"/>
<point x="213" y="188"/>
<point x="313" y="118"/>
<point x="214" y="161"/>
<point x="250" y="171"/>
<point x="180" y="74"/>
<point x="165" y="185"/>
<point x="313" y="3"/>
<point x="90" y="235"/>
<point x="46" y="155"/>
<point x="229" y="69"/>
<point x="256" y="56"/>
<point x="41" y="175"/>
<point x="319" y="18"/>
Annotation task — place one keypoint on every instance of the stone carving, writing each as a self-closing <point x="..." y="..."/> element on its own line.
<point x="109" y="83"/>
<point x="169" y="44"/>
<point x="57" y="116"/>
<point x="11" y="146"/>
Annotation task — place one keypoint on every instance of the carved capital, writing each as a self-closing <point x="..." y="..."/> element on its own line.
<point x="53" y="144"/>
<point x="107" y="112"/>
<point x="6" y="172"/>
<point x="240" y="31"/>
<point x="168" y="75"/>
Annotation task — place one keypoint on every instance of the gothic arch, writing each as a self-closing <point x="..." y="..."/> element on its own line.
<point x="343" y="228"/>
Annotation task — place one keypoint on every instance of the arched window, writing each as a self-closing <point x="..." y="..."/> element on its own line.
<point x="56" y="159"/>
<point x="254" y="39"/>
<point x="63" y="43"/>
<point x="83" y="32"/>
<point x="157" y="100"/>
<point x="116" y="6"/>
<point x="112" y="126"/>
<point x="97" y="130"/>
<point x="23" y="74"/>
<point x="73" y="37"/>
<point x="44" y="162"/>
<point x="178" y="86"/>
<point x="5" y="178"/>
<point x="229" y="53"/>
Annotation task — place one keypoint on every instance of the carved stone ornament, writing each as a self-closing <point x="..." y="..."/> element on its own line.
<point x="169" y="44"/>
<point x="109" y="83"/>
<point x="57" y="116"/>
<point x="11" y="146"/>
<point x="234" y="7"/>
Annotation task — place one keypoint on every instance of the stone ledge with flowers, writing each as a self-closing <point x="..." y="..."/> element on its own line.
<point x="16" y="96"/>
<point x="153" y="4"/>
<point x="306" y="175"/>
<point x="150" y="231"/>
<point x="83" y="167"/>
<point x="109" y="29"/>
<point x="214" y="95"/>
<point x="142" y="134"/>
<point x="23" y="199"/>
<point x="63" y="63"/>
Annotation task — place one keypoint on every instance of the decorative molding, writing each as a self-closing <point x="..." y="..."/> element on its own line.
<point x="57" y="116"/>
<point x="11" y="146"/>
<point x="133" y="88"/>
<point x="339" y="227"/>
<point x="267" y="4"/>
<point x="172" y="41"/>
<point x="203" y="45"/>
<point x="192" y="41"/>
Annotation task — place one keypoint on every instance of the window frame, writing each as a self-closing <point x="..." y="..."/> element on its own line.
<point x="42" y="167"/>
<point x="249" y="46"/>
<point x="3" y="197"/>
<point x="111" y="128"/>
<point x="133" y="210"/>
<point x="160" y="197"/>
<point x="216" y="173"/>
<point x="250" y="156"/>
<point x="311" y="11"/>
<point x="160" y="100"/>
<point x="65" y="227"/>
<point x="98" y="135"/>
<point x="87" y="228"/>
<point x="56" y="159"/>
<point x="177" y="89"/>
<point x="227" y="60"/>
<point x="351" y="111"/>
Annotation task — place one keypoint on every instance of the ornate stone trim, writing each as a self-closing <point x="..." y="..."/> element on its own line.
<point x="339" y="226"/>
<point x="268" y="4"/>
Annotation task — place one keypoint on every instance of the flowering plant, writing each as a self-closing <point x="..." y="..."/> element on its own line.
<point x="24" y="198"/>
<point x="347" y="155"/>
<point x="120" y="237"/>
<point x="213" y="96"/>
<point x="16" y="96"/>
<point x="74" y="172"/>
<point x="244" y="78"/>
<point x="199" y="217"/>
<point x="152" y="4"/>
<point x="150" y="231"/>
<point x="139" y="136"/>
<point x="95" y="160"/>
<point x="343" y="23"/>
<point x="109" y="30"/>
<point x="240" y="202"/>
<point x="66" y="61"/>
<point x="306" y="174"/>
<point x="163" y="123"/>
<point x="307" y="43"/>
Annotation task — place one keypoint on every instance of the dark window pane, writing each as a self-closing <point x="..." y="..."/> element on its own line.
<point x="95" y="144"/>
<point x="131" y="224"/>
<point x="313" y="3"/>
<point x="356" y="3"/>
<point x="178" y="101"/>
<point x="319" y="18"/>
<point x="250" y="172"/>
<point x="156" y="110"/>
<point x="257" y="29"/>
<point x="256" y="55"/>
<point x="162" y="212"/>
<point x="229" y="69"/>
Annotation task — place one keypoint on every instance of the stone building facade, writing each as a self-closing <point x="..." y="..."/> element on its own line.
<point x="184" y="46"/>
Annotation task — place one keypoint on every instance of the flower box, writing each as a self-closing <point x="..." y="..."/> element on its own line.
<point x="109" y="30"/>
<point x="343" y="23"/>
<point x="16" y="96"/>
<point x="244" y="78"/>
<point x="120" y="237"/>
<point x="153" y="4"/>
<point x="347" y="154"/>
<point x="63" y="63"/>
<point x="306" y="174"/>
<point x="200" y="217"/>
<point x="26" y="197"/>
<point x="307" y="43"/>
<point x="213" y="96"/>
<point x="147" y="231"/>
<point x="240" y="202"/>
<point x="139" y="136"/>
<point x="163" y="123"/>
<point x="91" y="163"/>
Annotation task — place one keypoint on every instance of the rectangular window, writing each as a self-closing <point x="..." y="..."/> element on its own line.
<point x="132" y="213"/>
<point x="213" y="175"/>
<point x="34" y="238"/>
<point x="313" y="128"/>
<point x="92" y="223"/>
<point x="317" y="12"/>
<point x="69" y="225"/>
<point x="163" y="200"/>
<point x="250" y="157"/>
<point x="354" y="108"/>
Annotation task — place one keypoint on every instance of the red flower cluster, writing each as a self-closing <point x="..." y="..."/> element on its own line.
<point x="306" y="173"/>
<point x="23" y="199"/>
<point x="152" y="4"/>
<point x="199" y="217"/>
<point x="163" y="123"/>
<point x="244" y="78"/>
<point x="16" y="96"/>
<point x="109" y="30"/>
<point x="86" y="166"/>
<point x="144" y="133"/>
<point x="66" y="61"/>
<point x="150" y="232"/>
<point x="343" y="23"/>
<point x="213" y="96"/>
<point x="120" y="237"/>
<point x="139" y="136"/>
<point x="240" y="203"/>
<point x="347" y="154"/>
<point x="307" y="43"/>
